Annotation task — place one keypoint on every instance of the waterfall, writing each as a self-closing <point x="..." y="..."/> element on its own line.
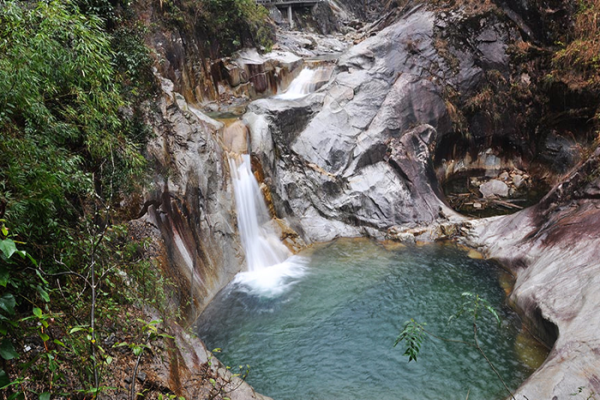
<point x="262" y="247"/>
<point x="306" y="82"/>
<point x="271" y="270"/>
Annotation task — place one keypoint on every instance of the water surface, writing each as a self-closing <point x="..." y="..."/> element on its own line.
<point x="330" y="333"/>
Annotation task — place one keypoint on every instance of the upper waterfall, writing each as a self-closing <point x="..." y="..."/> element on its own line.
<point x="306" y="82"/>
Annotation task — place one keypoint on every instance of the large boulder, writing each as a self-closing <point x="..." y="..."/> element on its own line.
<point x="331" y="159"/>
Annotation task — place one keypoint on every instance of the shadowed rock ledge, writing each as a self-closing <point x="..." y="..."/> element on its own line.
<point x="554" y="250"/>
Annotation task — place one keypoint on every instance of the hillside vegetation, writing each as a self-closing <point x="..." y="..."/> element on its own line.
<point x="75" y="83"/>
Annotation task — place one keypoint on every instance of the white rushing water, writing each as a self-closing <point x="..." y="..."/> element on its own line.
<point x="270" y="267"/>
<point x="305" y="83"/>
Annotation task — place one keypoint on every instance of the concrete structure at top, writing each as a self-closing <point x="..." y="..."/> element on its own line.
<point x="289" y="4"/>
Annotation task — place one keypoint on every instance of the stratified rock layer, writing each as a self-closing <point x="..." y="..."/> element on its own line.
<point x="190" y="207"/>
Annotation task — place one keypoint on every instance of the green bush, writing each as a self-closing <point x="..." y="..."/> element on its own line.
<point x="71" y="145"/>
<point x="61" y="136"/>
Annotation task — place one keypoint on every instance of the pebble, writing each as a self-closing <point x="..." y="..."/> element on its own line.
<point x="518" y="181"/>
<point x="141" y="377"/>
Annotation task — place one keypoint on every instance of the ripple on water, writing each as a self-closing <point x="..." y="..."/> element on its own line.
<point x="329" y="332"/>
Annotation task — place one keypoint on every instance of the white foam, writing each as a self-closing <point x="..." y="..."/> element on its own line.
<point x="262" y="246"/>
<point x="305" y="83"/>
<point x="272" y="281"/>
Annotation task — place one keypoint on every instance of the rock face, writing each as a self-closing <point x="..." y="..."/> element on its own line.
<point x="554" y="249"/>
<point x="189" y="208"/>
<point x="183" y="58"/>
<point x="349" y="162"/>
<point x="235" y="137"/>
<point x="355" y="159"/>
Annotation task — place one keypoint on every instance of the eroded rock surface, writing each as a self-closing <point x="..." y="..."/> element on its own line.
<point x="554" y="249"/>
<point x="345" y="160"/>
<point x="354" y="159"/>
<point x="190" y="208"/>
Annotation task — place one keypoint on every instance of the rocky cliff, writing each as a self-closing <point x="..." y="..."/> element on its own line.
<point x="440" y="89"/>
<point x="356" y="158"/>
<point x="330" y="159"/>
<point x="552" y="248"/>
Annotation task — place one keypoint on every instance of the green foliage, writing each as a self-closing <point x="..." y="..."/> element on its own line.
<point x="61" y="135"/>
<point x="473" y="305"/>
<point x="9" y="320"/>
<point x="132" y="59"/>
<point x="578" y="61"/>
<point x="413" y="334"/>
<point x="70" y="145"/>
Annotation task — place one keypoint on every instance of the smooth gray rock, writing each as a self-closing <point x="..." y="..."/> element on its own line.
<point x="554" y="250"/>
<point x="348" y="153"/>
<point x="494" y="187"/>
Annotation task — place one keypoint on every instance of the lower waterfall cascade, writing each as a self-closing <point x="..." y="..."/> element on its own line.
<point x="271" y="266"/>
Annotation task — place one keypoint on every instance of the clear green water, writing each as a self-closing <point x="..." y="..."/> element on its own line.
<point x="330" y="335"/>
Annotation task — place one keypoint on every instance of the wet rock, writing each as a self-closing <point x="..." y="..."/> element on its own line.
<point x="190" y="215"/>
<point x="494" y="187"/>
<point x="235" y="137"/>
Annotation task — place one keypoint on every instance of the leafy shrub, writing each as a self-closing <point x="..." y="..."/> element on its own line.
<point x="70" y="150"/>
<point x="61" y="135"/>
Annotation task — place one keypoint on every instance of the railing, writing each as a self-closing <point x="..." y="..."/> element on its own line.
<point x="287" y="2"/>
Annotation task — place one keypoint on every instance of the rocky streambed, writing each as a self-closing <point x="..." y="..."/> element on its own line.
<point x="364" y="155"/>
